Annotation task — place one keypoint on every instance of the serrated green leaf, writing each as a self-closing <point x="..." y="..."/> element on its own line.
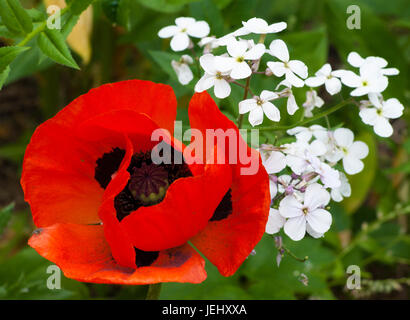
<point x="14" y="17"/>
<point x="5" y="215"/>
<point x="53" y="45"/>
<point x="8" y="54"/>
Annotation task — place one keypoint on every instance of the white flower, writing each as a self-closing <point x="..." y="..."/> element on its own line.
<point x="216" y="69"/>
<point x="352" y="151"/>
<point x="307" y="216"/>
<point x="379" y="116"/>
<point x="370" y="80"/>
<point x="240" y="51"/>
<point x="357" y="61"/>
<point x="260" y="26"/>
<point x="275" y="222"/>
<point x="325" y="76"/>
<point x="275" y="162"/>
<point x="312" y="101"/>
<point x="305" y="134"/>
<point x="286" y="67"/>
<point x="182" y="69"/>
<point x="257" y="106"/>
<point x="184" y="28"/>
<point x="343" y="191"/>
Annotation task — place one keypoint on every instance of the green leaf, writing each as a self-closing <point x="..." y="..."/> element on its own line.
<point x="5" y="215"/>
<point x="6" y="33"/>
<point x="362" y="181"/>
<point x="3" y="76"/>
<point x="78" y="6"/>
<point x="160" y="5"/>
<point x="8" y="54"/>
<point x="14" y="17"/>
<point x="37" y="15"/>
<point x="69" y="25"/>
<point x="53" y="45"/>
<point x="129" y="13"/>
<point x="163" y="59"/>
<point x="208" y="11"/>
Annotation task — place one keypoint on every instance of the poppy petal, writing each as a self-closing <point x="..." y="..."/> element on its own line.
<point x="228" y="242"/>
<point x="156" y="100"/>
<point x="82" y="253"/>
<point x="58" y="177"/>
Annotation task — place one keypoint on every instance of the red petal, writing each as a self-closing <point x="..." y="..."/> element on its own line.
<point x="155" y="100"/>
<point x="227" y="243"/>
<point x="58" y="177"/>
<point x="83" y="254"/>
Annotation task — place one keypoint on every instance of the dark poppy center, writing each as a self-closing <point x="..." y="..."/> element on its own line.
<point x="149" y="183"/>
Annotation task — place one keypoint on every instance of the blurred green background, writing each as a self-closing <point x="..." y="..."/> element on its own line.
<point x="370" y="229"/>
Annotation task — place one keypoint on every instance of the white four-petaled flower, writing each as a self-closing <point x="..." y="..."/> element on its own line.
<point x="352" y="152"/>
<point x="240" y="52"/>
<point x="370" y="80"/>
<point x="216" y="68"/>
<point x="308" y="216"/>
<point x="290" y="68"/>
<point x="379" y="116"/>
<point x="184" y="28"/>
<point x="257" y="106"/>
<point x="325" y="76"/>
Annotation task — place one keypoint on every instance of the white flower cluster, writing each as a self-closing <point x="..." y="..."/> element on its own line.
<point x="306" y="174"/>
<point x="242" y="59"/>
<point x="301" y="197"/>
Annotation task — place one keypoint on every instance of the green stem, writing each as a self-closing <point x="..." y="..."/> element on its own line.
<point x="154" y="291"/>
<point x="38" y="30"/>
<point x="306" y="121"/>
<point x="294" y="256"/>
<point x="245" y="95"/>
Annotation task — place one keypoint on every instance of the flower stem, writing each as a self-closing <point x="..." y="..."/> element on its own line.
<point x="154" y="291"/>
<point x="316" y="117"/>
<point x="245" y="95"/>
<point x="294" y="256"/>
<point x="198" y="68"/>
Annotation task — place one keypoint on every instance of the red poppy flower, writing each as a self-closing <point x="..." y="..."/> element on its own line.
<point x="106" y="213"/>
